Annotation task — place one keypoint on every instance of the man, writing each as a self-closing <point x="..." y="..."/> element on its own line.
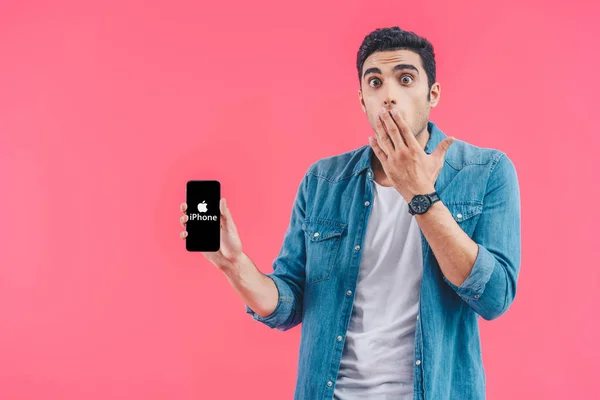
<point x="393" y="250"/>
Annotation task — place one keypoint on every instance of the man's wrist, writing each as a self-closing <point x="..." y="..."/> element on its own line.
<point x="233" y="268"/>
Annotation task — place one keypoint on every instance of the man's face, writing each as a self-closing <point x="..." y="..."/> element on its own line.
<point x="396" y="80"/>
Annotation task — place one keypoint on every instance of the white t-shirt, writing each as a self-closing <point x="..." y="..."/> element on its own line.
<point x="378" y="357"/>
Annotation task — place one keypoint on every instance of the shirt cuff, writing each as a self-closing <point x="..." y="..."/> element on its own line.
<point x="472" y="288"/>
<point x="284" y="308"/>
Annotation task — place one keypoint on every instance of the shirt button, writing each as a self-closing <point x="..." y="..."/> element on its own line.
<point x="369" y="174"/>
<point x="316" y="234"/>
<point x="458" y="215"/>
<point x="339" y="338"/>
<point x="418" y="362"/>
<point x="476" y="296"/>
<point x="349" y="292"/>
<point x="417" y="316"/>
<point x="329" y="383"/>
<point x="367" y="203"/>
<point x="357" y="248"/>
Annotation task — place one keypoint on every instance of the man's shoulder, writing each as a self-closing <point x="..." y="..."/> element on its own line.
<point x="462" y="153"/>
<point x="338" y="166"/>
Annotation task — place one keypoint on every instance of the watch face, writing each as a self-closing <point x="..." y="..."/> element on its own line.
<point x="419" y="204"/>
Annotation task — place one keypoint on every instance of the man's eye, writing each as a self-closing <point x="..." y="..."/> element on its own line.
<point x="406" y="76"/>
<point x="371" y="81"/>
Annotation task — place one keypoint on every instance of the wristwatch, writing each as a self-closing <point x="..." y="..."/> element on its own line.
<point x="420" y="203"/>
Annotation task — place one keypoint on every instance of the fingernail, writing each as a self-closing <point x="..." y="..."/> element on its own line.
<point x="382" y="111"/>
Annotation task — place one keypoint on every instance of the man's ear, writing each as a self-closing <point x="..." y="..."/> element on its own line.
<point x="362" y="102"/>
<point x="434" y="93"/>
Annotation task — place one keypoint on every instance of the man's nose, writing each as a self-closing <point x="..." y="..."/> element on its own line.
<point x="389" y="104"/>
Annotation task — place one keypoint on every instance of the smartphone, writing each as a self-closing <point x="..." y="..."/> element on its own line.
<point x="204" y="216"/>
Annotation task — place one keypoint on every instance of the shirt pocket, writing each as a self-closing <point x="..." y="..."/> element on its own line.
<point x="466" y="214"/>
<point x="323" y="242"/>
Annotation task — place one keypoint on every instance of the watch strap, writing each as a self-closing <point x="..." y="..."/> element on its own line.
<point x="433" y="197"/>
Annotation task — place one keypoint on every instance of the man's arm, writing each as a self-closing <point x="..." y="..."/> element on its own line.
<point x="253" y="287"/>
<point x="275" y="299"/>
<point x="482" y="270"/>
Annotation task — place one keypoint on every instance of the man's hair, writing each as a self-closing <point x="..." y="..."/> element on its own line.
<point x="394" y="38"/>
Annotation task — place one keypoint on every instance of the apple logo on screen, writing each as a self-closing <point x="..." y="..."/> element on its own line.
<point x="202" y="206"/>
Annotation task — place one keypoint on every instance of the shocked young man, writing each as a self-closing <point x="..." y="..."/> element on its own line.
<point x="393" y="250"/>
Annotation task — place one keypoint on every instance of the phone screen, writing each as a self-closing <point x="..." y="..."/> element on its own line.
<point x="204" y="215"/>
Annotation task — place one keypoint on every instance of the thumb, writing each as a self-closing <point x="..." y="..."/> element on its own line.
<point x="443" y="147"/>
<point x="224" y="209"/>
<point x="226" y="216"/>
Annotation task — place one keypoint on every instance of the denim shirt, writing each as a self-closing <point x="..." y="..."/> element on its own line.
<point x="316" y="270"/>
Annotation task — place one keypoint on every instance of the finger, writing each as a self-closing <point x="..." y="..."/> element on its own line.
<point x="183" y="207"/>
<point x="183" y="234"/>
<point x="226" y="218"/>
<point x="377" y="150"/>
<point x="404" y="130"/>
<point x="183" y="220"/>
<point x="392" y="130"/>
<point x="443" y="147"/>
<point x="224" y="209"/>
<point x="383" y="140"/>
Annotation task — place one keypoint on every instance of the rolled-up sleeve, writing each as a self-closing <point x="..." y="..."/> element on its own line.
<point x="491" y="286"/>
<point x="289" y="269"/>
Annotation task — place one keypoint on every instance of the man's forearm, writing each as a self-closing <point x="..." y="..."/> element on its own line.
<point x="454" y="250"/>
<point x="255" y="289"/>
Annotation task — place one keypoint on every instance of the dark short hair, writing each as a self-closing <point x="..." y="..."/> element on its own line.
<point x="394" y="38"/>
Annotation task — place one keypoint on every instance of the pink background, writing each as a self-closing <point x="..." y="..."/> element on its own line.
<point x="107" y="109"/>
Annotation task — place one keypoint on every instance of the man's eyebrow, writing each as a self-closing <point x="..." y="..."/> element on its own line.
<point x="376" y="70"/>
